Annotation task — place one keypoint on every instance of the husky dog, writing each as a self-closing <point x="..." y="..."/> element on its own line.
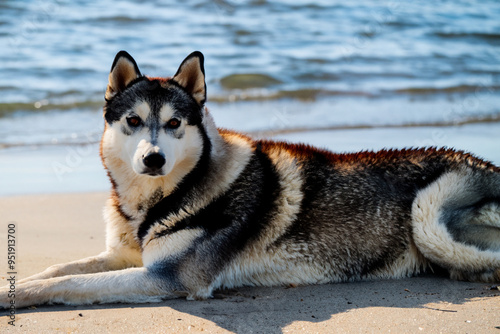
<point x="194" y="208"/>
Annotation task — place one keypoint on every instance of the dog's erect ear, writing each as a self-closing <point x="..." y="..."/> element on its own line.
<point x="123" y="71"/>
<point x="191" y="76"/>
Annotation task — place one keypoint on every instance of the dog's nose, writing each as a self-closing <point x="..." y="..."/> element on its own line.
<point x="154" y="161"/>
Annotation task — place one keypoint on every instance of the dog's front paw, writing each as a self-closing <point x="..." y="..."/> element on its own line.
<point x="7" y="297"/>
<point x="19" y="295"/>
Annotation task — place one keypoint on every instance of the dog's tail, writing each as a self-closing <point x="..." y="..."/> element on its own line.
<point x="456" y="224"/>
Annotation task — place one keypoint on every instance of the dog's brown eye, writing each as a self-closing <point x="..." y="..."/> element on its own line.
<point x="174" y="123"/>
<point x="133" y="121"/>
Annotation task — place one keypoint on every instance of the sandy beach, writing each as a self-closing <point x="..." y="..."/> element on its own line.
<point x="52" y="229"/>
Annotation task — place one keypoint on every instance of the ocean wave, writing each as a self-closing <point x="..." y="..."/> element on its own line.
<point x="448" y="90"/>
<point x="249" y="80"/>
<point x="493" y="118"/>
<point x="313" y="94"/>
<point x="94" y="137"/>
<point x="483" y="36"/>
<point x="241" y="87"/>
<point x="304" y="94"/>
<point x="45" y="105"/>
<point x="120" y="19"/>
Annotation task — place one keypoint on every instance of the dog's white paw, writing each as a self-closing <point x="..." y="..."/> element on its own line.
<point x="7" y="297"/>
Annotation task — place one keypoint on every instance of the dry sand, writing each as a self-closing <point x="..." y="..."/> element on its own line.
<point x="57" y="228"/>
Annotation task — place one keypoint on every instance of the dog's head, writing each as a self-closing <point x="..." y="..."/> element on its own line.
<point x="153" y="124"/>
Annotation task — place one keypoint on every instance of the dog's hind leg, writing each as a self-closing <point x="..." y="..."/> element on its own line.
<point x="456" y="224"/>
<point x="133" y="285"/>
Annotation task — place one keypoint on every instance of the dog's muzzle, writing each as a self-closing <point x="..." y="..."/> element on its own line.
<point x="154" y="163"/>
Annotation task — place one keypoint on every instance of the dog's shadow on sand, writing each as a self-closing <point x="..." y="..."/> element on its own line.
<point x="269" y="310"/>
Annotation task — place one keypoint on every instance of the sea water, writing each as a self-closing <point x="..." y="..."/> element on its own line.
<point x="346" y="75"/>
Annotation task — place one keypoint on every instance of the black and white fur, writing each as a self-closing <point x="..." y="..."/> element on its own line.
<point x="194" y="208"/>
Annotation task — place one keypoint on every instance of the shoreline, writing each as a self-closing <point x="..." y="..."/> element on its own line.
<point x="57" y="228"/>
<point x="269" y="133"/>
<point x="78" y="168"/>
